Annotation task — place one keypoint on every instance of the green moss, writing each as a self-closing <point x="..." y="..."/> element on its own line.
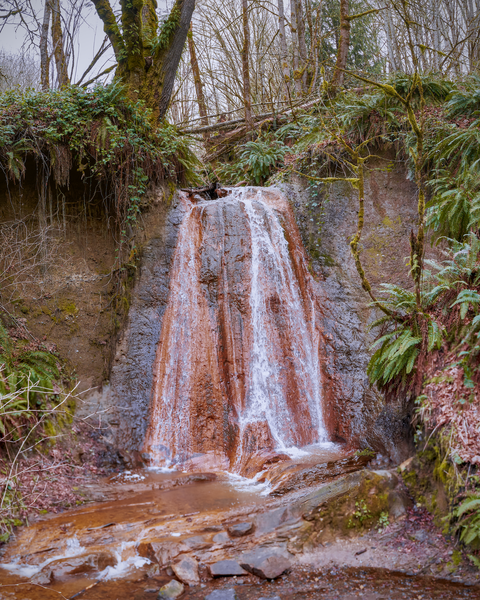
<point x="436" y="482"/>
<point x="457" y="557"/>
<point x="172" y="189"/>
<point x="61" y="420"/>
<point x="68" y="307"/>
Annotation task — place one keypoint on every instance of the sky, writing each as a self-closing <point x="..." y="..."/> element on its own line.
<point x="13" y="37"/>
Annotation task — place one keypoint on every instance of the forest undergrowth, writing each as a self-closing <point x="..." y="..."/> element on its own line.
<point x="113" y="147"/>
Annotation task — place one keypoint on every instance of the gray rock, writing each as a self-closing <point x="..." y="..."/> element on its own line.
<point x="198" y="542"/>
<point x="186" y="569"/>
<point x="226" y="568"/>
<point x="222" y="595"/>
<point x="173" y="589"/>
<point x="272" y="598"/>
<point x="221" y="538"/>
<point x="267" y="563"/>
<point x="240" y="529"/>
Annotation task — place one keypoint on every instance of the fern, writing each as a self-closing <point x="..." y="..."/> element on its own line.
<point x="27" y="382"/>
<point x="434" y="89"/>
<point x="465" y="298"/>
<point x="468" y="514"/>
<point x="396" y="355"/>
<point x="462" y="266"/>
<point x="260" y="157"/>
<point x="464" y="102"/>
<point x="398" y="350"/>
<point x="459" y="150"/>
<point x="455" y="206"/>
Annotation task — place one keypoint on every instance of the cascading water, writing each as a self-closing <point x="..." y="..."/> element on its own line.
<point x="237" y="371"/>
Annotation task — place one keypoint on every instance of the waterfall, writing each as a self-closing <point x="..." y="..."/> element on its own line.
<point x="237" y="370"/>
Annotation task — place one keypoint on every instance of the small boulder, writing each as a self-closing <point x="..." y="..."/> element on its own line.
<point x="173" y="589"/>
<point x="186" y="569"/>
<point x="240" y="529"/>
<point x="226" y="568"/>
<point x="267" y="563"/>
<point x="161" y="552"/>
<point x="221" y="538"/>
<point x="222" y="595"/>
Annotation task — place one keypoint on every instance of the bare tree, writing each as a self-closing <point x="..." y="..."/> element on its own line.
<point x="247" y="96"/>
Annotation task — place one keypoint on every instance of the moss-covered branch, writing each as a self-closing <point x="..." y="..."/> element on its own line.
<point x="110" y="26"/>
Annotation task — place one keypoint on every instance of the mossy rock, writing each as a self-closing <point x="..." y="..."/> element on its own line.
<point x="369" y="499"/>
<point x="432" y="480"/>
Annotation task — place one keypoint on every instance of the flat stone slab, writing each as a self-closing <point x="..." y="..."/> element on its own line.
<point x="186" y="569"/>
<point x="240" y="529"/>
<point x="267" y="563"/>
<point x="198" y="542"/>
<point x="221" y="538"/>
<point x="222" y="595"/>
<point x="226" y="568"/>
<point x="173" y="589"/>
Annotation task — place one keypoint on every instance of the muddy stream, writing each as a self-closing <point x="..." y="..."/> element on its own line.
<point x="123" y="547"/>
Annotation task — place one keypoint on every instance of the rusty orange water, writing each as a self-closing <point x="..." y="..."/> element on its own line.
<point x="237" y="372"/>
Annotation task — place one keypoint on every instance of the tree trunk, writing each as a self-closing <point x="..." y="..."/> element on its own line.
<point x="302" y="46"/>
<point x="44" y="58"/>
<point x="343" y="46"/>
<point x="147" y="56"/>
<point x="283" y="47"/>
<point x="390" y="34"/>
<point x="297" y="73"/>
<point x="58" y="48"/>
<point x="197" y="79"/>
<point x="247" y="95"/>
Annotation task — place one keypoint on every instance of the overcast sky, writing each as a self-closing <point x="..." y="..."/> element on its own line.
<point x="14" y="39"/>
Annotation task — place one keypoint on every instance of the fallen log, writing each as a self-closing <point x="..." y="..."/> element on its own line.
<point x="230" y="124"/>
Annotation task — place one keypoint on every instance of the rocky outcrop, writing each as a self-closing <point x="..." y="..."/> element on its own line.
<point x="354" y="411"/>
<point x="327" y="219"/>
<point x="348" y="507"/>
<point x="132" y="369"/>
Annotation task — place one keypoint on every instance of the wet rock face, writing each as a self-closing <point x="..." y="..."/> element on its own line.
<point x="236" y="373"/>
<point x="186" y="569"/>
<point x="222" y="595"/>
<point x="173" y="589"/>
<point x="327" y="219"/>
<point x="240" y="529"/>
<point x="132" y="370"/>
<point x="209" y="388"/>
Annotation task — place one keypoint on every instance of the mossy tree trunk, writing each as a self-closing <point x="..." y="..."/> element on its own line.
<point x="343" y="46"/>
<point x="147" y="54"/>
